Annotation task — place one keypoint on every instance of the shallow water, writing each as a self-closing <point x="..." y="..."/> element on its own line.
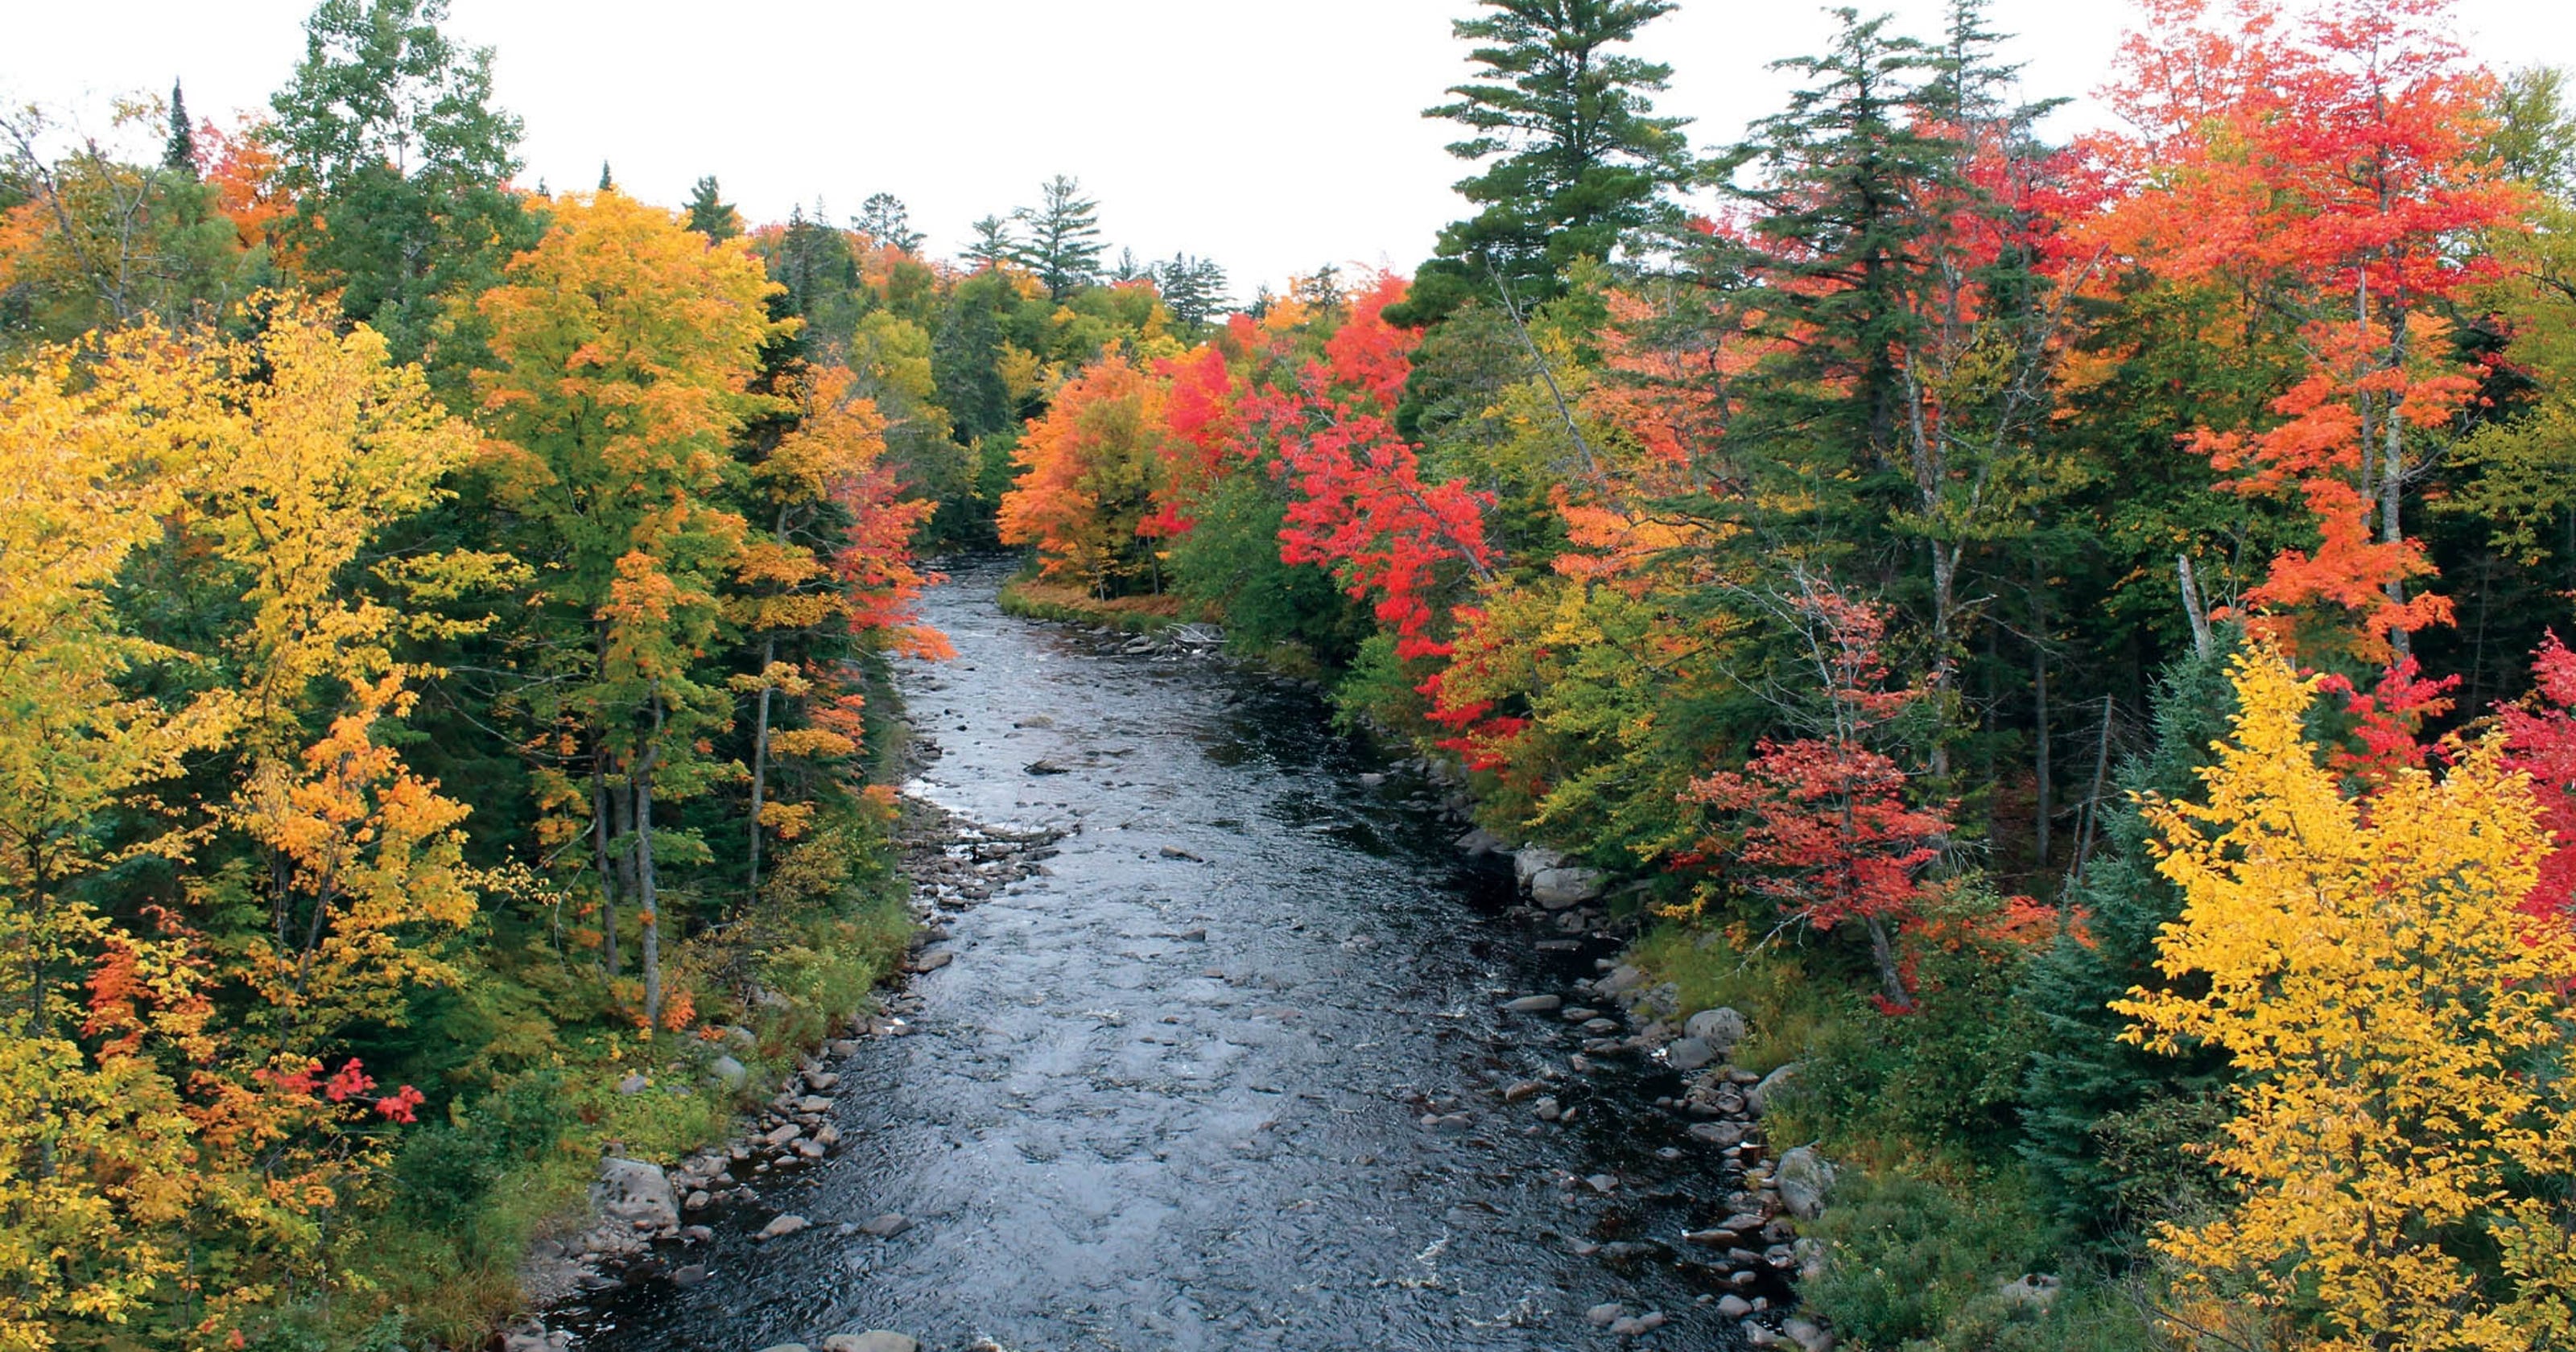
<point x="1110" y="1135"/>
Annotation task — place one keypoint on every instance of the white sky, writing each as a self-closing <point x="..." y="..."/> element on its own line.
<point x="1271" y="135"/>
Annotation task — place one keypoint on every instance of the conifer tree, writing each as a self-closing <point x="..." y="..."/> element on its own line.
<point x="1063" y="246"/>
<point x="179" y="155"/>
<point x="1571" y="155"/>
<point x="709" y="214"/>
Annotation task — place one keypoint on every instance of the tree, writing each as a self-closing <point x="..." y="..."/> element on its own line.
<point x="1822" y="821"/>
<point x="1087" y="473"/>
<point x="398" y="163"/>
<point x="1561" y="122"/>
<point x="1194" y="289"/>
<point x="709" y="214"/>
<point x="179" y="153"/>
<point x="2334" y="173"/>
<point x="994" y="243"/>
<point x="2384" y="998"/>
<point x="883" y="218"/>
<point x="1063" y="246"/>
<point x="623" y="347"/>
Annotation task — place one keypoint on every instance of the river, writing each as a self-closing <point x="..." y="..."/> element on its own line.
<point x="1170" y="1094"/>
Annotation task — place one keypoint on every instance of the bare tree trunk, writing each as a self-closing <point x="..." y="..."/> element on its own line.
<point x="647" y="897"/>
<point x="2392" y="473"/>
<point x="1891" y="978"/>
<point x="2191" y="606"/>
<point x="2043" y="789"/>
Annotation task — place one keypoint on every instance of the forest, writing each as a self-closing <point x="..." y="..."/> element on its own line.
<point x="2063" y="633"/>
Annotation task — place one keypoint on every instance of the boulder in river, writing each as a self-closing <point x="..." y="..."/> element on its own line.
<point x="1689" y="1054"/>
<point x="636" y="1193"/>
<point x="1558" y="888"/>
<point x="1533" y="1004"/>
<point x="1759" y="1098"/>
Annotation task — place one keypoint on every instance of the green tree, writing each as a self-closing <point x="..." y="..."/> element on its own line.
<point x="1572" y="156"/>
<point x="1063" y="246"/>
<point x="884" y="218"/>
<point x="709" y="214"/>
<point x="179" y="153"/>
<point x="397" y="160"/>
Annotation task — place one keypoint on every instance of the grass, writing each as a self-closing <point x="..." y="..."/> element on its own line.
<point x="1036" y="598"/>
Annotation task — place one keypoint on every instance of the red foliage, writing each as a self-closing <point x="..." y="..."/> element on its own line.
<point x="2540" y="740"/>
<point x="2390" y="719"/>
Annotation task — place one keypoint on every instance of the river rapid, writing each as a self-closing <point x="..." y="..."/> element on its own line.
<point x="1172" y="1092"/>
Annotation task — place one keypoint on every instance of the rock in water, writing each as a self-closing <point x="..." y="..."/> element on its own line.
<point x="1720" y="1028"/>
<point x="781" y="1227"/>
<point x="1558" y="888"/>
<point x="886" y="1226"/>
<point x="1689" y="1054"/>
<point x="874" y="1340"/>
<point x="636" y="1193"/>
<point x="1804" y="1178"/>
<point x="1533" y="1004"/>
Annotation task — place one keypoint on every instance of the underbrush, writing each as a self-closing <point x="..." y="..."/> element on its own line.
<point x="1035" y="598"/>
<point x="1932" y="1213"/>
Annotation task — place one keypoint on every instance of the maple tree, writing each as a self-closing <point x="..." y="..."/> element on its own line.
<point x="624" y="347"/>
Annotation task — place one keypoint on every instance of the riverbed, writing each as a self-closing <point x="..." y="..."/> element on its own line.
<point x="1228" y="1073"/>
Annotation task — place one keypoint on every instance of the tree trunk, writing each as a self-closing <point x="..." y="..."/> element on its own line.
<point x="2392" y="472"/>
<point x="648" y="901"/>
<point x="600" y="832"/>
<point x="2043" y="788"/>
<point x="1891" y="978"/>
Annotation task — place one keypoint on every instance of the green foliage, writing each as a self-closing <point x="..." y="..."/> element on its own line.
<point x="1228" y="565"/>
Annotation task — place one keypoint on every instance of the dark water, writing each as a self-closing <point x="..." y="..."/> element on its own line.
<point x="1111" y="1136"/>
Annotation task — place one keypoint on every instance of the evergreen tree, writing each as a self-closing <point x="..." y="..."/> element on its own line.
<point x="1193" y="289"/>
<point x="607" y="180"/>
<point x="884" y="218"/>
<point x="2102" y="1118"/>
<point x="994" y="244"/>
<point x="1572" y="154"/>
<point x="1063" y="246"/>
<point x="180" y="154"/>
<point x="709" y="214"/>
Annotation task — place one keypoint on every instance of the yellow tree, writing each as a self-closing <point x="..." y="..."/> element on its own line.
<point x="2398" y="1028"/>
<point x="625" y="346"/>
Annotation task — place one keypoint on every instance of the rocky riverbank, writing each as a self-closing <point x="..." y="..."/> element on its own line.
<point x="653" y="1222"/>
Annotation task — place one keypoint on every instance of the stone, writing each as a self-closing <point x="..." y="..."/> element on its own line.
<point x="1531" y="861"/>
<point x="931" y="960"/>
<point x="1558" y="888"/>
<point x="1808" y="1335"/>
<point x="813" y="1103"/>
<point x="1804" y="1177"/>
<point x="787" y="1347"/>
<point x="1522" y="1090"/>
<point x="2034" y="1290"/>
<point x="821" y="1081"/>
<point x="1601" y="1028"/>
<point x="1534" y="1004"/>
<point x="698" y="1201"/>
<point x="1603" y="1183"/>
<point x="886" y="1226"/>
<point x="688" y="1276"/>
<point x="1604" y="1314"/>
<point x="1548" y="1109"/>
<point x="1715" y="1239"/>
<point x="1622" y="979"/>
<point x="1481" y="842"/>
<point x="1642" y="1324"/>
<point x="781" y="1134"/>
<point x="874" y="1340"/>
<point x="1757" y="1100"/>
<point x="1579" y="1014"/>
<point x="633" y="1084"/>
<point x="1719" y="1134"/>
<point x="1689" y="1054"/>
<point x="1046" y="767"/>
<point x="728" y="1072"/>
<point x="1720" y="1028"/>
<point x="634" y="1193"/>
<point x="1733" y="1306"/>
<point x="781" y="1227"/>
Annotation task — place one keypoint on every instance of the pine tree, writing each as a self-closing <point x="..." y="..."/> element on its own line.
<point x="709" y="214"/>
<point x="995" y="243"/>
<point x="1582" y="158"/>
<point x="1063" y="246"/>
<point x="1193" y="289"/>
<point x="884" y="218"/>
<point x="2100" y="1116"/>
<point x="607" y="180"/>
<point x="179" y="155"/>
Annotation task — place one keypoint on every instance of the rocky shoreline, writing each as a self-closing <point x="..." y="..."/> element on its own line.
<point x="648" y="1222"/>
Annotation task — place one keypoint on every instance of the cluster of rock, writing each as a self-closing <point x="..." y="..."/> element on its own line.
<point x="1750" y="1248"/>
<point x="963" y="865"/>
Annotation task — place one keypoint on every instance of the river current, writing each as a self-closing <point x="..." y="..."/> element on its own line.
<point x="1172" y="1093"/>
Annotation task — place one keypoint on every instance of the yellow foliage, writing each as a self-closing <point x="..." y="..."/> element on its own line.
<point x="2385" y="1004"/>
